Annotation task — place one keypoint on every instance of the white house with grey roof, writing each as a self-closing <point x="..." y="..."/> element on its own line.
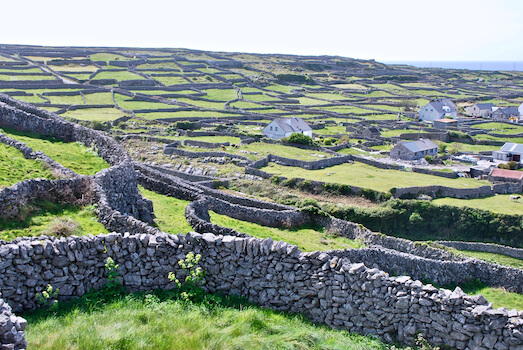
<point x="483" y="110"/>
<point x="438" y="109"/>
<point x="280" y="128"/>
<point x="509" y="152"/>
<point x="414" y="150"/>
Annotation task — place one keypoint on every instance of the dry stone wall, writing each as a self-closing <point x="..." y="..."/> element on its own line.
<point x="324" y="286"/>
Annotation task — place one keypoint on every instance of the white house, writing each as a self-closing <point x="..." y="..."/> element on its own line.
<point x="438" y="109"/>
<point x="480" y="110"/>
<point x="279" y="128"/>
<point x="520" y="109"/>
<point x="414" y="150"/>
<point x="509" y="151"/>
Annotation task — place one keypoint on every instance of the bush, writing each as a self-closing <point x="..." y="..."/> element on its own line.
<point x="63" y="227"/>
<point x="186" y="126"/>
<point x="298" y="138"/>
<point x="429" y="159"/>
<point x="96" y="125"/>
<point x="294" y="78"/>
<point x="512" y="165"/>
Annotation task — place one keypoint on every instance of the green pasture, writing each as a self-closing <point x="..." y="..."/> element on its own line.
<point x="66" y="100"/>
<point x="99" y="98"/>
<point x="14" y="167"/>
<point x="107" y="56"/>
<point x="500" y="128"/>
<point x="14" y="77"/>
<point x="186" y="114"/>
<point x="171" y="80"/>
<point x="366" y="176"/>
<point x="307" y="239"/>
<point x="494" y="258"/>
<point x="118" y="75"/>
<point x="499" y="204"/>
<point x="94" y="114"/>
<point x="71" y="68"/>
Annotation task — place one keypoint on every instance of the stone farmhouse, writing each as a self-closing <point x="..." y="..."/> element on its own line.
<point x="280" y="128"/>
<point x="438" y="109"/>
<point x="483" y="110"/>
<point x="507" y="113"/>
<point x="509" y="152"/>
<point x="414" y="150"/>
<point x="371" y="132"/>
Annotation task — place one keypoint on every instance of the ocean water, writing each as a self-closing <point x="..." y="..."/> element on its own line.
<point x="471" y="65"/>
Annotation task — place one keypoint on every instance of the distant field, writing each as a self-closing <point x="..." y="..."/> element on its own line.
<point x="499" y="204"/>
<point x="500" y="128"/>
<point x="118" y="75"/>
<point x="366" y="176"/>
<point x="494" y="258"/>
<point x="94" y="114"/>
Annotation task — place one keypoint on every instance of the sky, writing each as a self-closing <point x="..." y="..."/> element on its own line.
<point x="384" y="30"/>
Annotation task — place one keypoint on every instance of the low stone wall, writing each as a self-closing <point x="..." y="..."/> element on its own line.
<point x="204" y="144"/>
<point x="376" y="164"/>
<point x="197" y="215"/>
<point x="312" y="165"/>
<point x="485" y="247"/>
<point x="12" y="327"/>
<point x="189" y="154"/>
<point x="14" y="199"/>
<point x="449" y="175"/>
<point x="324" y="286"/>
<point x="437" y="191"/>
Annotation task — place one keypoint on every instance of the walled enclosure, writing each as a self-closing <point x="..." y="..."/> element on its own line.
<point x="326" y="286"/>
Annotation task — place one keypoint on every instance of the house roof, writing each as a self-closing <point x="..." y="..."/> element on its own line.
<point x="292" y="125"/>
<point x="512" y="147"/>
<point x="420" y="145"/>
<point x="373" y="130"/>
<point x="508" y="174"/>
<point x="485" y="105"/>
<point x="439" y="105"/>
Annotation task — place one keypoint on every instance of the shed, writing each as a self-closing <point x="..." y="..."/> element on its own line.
<point x="504" y="175"/>
<point x="414" y="150"/>
<point x="445" y="123"/>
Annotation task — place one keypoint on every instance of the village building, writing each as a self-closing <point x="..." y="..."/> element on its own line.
<point x="280" y="128"/>
<point x="445" y="124"/>
<point x="371" y="132"/>
<point x="504" y="175"/>
<point x="520" y="109"/>
<point x="438" y="109"/>
<point x="509" y="152"/>
<point x="483" y="110"/>
<point x="507" y="113"/>
<point x="414" y="150"/>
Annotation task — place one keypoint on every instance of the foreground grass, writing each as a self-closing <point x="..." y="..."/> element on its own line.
<point x="367" y="176"/>
<point x="501" y="204"/>
<point x="47" y="218"/>
<point x="160" y="320"/>
<point x="74" y="156"/>
<point x="169" y="212"/>
<point x="307" y="239"/>
<point x="14" y="167"/>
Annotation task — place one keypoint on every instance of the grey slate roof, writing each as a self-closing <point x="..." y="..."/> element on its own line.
<point x="485" y="106"/>
<point x="420" y="145"/>
<point x="510" y="110"/>
<point x="512" y="147"/>
<point x="439" y="104"/>
<point x="293" y="125"/>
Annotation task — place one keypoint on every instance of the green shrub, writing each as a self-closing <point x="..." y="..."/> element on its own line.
<point x="298" y="138"/>
<point x="512" y="165"/>
<point x="97" y="125"/>
<point x="294" y="78"/>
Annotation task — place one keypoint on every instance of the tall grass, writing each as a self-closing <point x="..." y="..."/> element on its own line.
<point x="14" y="167"/>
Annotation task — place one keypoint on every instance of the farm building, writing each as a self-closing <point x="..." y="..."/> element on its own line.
<point x="509" y="152"/>
<point x="520" y="109"/>
<point x="279" y="128"/>
<point x="504" y="175"/>
<point x="505" y="113"/>
<point x="445" y="124"/>
<point x="414" y="150"/>
<point x="480" y="110"/>
<point x="438" y="109"/>
<point x="371" y="132"/>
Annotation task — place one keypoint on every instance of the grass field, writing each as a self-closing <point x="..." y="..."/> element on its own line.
<point x="307" y="239"/>
<point x="169" y="212"/>
<point x="48" y="219"/>
<point x="15" y="168"/>
<point x="498" y="204"/>
<point x="118" y="75"/>
<point x="494" y="258"/>
<point x="500" y="128"/>
<point x="366" y="176"/>
<point x="163" y="321"/>
<point x="95" y="114"/>
<point x="74" y="156"/>
<point x="99" y="98"/>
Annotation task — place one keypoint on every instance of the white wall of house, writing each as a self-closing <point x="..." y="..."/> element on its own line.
<point x="520" y="109"/>
<point x="429" y="113"/>
<point x="273" y="131"/>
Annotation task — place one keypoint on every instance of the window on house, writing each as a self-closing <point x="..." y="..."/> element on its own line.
<point x="271" y="128"/>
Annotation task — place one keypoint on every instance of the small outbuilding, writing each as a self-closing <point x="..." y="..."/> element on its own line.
<point x="371" y="132"/>
<point x="414" y="150"/>
<point x="504" y="175"/>
<point x="445" y="123"/>
<point x="280" y="128"/>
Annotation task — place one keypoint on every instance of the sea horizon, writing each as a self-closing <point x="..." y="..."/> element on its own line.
<point x="470" y="65"/>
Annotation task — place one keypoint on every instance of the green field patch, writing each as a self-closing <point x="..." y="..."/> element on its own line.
<point x="386" y="116"/>
<point x="160" y="65"/>
<point x="28" y="70"/>
<point x="71" y="68"/>
<point x="330" y="96"/>
<point x="378" y="93"/>
<point x="72" y="155"/>
<point x="367" y="176"/>
<point x="106" y="56"/>
<point x="502" y="139"/>
<point x="78" y="76"/>
<point x="494" y="258"/>
<point x="14" y="77"/>
<point x="307" y="239"/>
<point x="55" y="220"/>
<point x="346" y="109"/>
<point x="466" y="147"/>
<point x="209" y="70"/>
<point x="214" y="139"/>
<point x="310" y="101"/>
<point x="95" y="114"/>
<point x="331" y="130"/>
<point x="118" y="75"/>
<point x="498" y="204"/>
<point x="201" y="103"/>
<point x="164" y="92"/>
<point x="186" y="114"/>
<point x="243" y="104"/>
<point x="397" y="132"/>
<point x="66" y="100"/>
<point x="31" y="99"/>
<point x="220" y="94"/>
<point x="14" y="167"/>
<point x="128" y="103"/>
<point x="251" y="129"/>
<point x="169" y="212"/>
<point x="99" y="98"/>
<point x="171" y="80"/>
<point x="282" y="88"/>
<point x="500" y="128"/>
<point x="350" y="86"/>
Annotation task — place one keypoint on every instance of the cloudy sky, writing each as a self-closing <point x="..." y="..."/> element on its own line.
<point x="385" y="30"/>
